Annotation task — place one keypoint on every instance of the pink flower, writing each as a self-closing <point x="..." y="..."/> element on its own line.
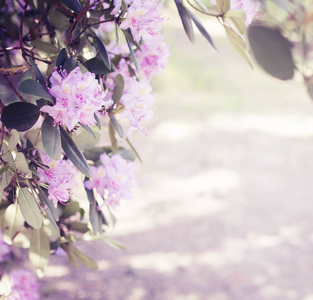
<point x="78" y="97"/>
<point x="114" y="179"/>
<point x="137" y="102"/>
<point x="154" y="56"/>
<point x="143" y="18"/>
<point x="4" y="250"/>
<point x="59" y="177"/>
<point x="24" y="286"/>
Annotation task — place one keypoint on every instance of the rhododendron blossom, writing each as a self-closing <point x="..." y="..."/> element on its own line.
<point x="4" y="250"/>
<point x="143" y="18"/>
<point x="137" y="102"/>
<point x="59" y="176"/>
<point x="114" y="179"/>
<point x="153" y="57"/>
<point x="24" y="286"/>
<point x="78" y="98"/>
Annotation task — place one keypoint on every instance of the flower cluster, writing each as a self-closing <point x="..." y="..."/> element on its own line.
<point x="143" y="18"/>
<point x="24" y="286"/>
<point x="114" y="179"/>
<point x="78" y="98"/>
<point x="4" y="250"/>
<point x="59" y="177"/>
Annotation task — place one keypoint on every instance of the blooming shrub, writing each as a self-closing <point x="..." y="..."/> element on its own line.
<point x="72" y="70"/>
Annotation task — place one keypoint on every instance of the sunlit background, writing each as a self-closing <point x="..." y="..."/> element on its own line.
<point x="224" y="207"/>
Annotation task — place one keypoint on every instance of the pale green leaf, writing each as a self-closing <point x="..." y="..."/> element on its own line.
<point x="12" y="223"/>
<point x="39" y="250"/>
<point x="29" y="208"/>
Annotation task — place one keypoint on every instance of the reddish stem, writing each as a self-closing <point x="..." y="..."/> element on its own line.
<point x="69" y="39"/>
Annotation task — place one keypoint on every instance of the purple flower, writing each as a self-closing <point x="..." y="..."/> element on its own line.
<point x="78" y="97"/>
<point x="144" y="18"/>
<point x="4" y="250"/>
<point x="24" y="286"/>
<point x="114" y="179"/>
<point x="59" y="177"/>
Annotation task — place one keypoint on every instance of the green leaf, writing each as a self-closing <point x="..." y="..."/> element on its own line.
<point x="62" y="57"/>
<point x="12" y="223"/>
<point x="74" y="5"/>
<point x="69" y="65"/>
<point x="5" y="179"/>
<point x="118" y="88"/>
<point x="38" y="74"/>
<point x="223" y="5"/>
<point x="131" y="51"/>
<point x="51" y="138"/>
<point x="97" y="66"/>
<point x="5" y="286"/>
<point x="14" y="139"/>
<point x="22" y="239"/>
<point x="71" y="209"/>
<point x="94" y="153"/>
<point x="34" y="88"/>
<point x="186" y="20"/>
<point x="21" y="163"/>
<point x="202" y="29"/>
<point x="94" y="217"/>
<point x="133" y="149"/>
<point x="59" y="19"/>
<point x="113" y="243"/>
<point x="29" y="208"/>
<point x="39" y="250"/>
<point x="104" y="53"/>
<point x="272" y="51"/>
<point x="74" y="154"/>
<point x="20" y="115"/>
<point x="83" y="258"/>
<point x="239" y="44"/>
<point x="88" y="129"/>
<point x="45" y="47"/>
<point x="118" y="128"/>
<point x="45" y="201"/>
<point x="239" y="23"/>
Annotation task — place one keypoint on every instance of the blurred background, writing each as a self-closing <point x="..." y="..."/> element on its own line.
<point x="224" y="206"/>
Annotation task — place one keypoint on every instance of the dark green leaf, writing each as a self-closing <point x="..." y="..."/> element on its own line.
<point x="20" y="115"/>
<point x="34" y="88"/>
<point x="97" y="121"/>
<point x="127" y="154"/>
<point x="97" y="66"/>
<point x="69" y="65"/>
<point x="71" y="209"/>
<point x="94" y="217"/>
<point x="272" y="51"/>
<point x="62" y="57"/>
<point x="131" y="51"/>
<point x="94" y="153"/>
<point x="201" y="29"/>
<point x="74" y="5"/>
<point x="38" y="74"/>
<point x="59" y="19"/>
<point x="45" y="201"/>
<point x="118" y="88"/>
<point x="186" y="20"/>
<point x="104" y="53"/>
<point x="74" y="154"/>
<point x="51" y="138"/>
<point x="45" y="47"/>
<point x="118" y="128"/>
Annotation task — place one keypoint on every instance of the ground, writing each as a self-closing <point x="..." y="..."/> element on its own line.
<point x="223" y="210"/>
